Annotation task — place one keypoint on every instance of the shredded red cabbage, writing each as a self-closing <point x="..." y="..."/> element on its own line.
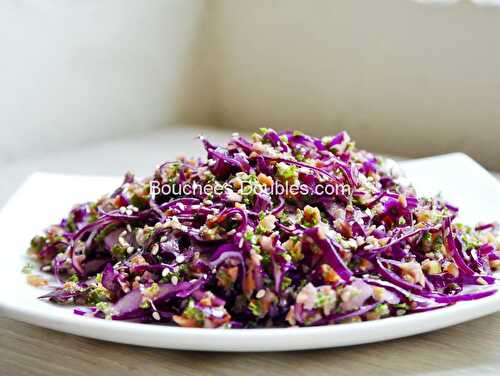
<point x="249" y="255"/>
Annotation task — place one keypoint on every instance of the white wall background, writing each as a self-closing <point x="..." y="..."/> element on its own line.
<point x="77" y="71"/>
<point x="403" y="78"/>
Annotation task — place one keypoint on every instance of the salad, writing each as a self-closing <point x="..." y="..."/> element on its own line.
<point x="279" y="230"/>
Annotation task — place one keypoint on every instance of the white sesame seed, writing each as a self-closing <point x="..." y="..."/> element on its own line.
<point x="163" y="239"/>
<point x="129" y="228"/>
<point x="129" y="212"/>
<point x="123" y="242"/>
<point x="130" y="250"/>
<point x="174" y="280"/>
<point x="156" y="316"/>
<point x="46" y="268"/>
<point x="122" y="209"/>
<point x="165" y="272"/>
<point x="155" y="248"/>
<point x="260" y="294"/>
<point x="180" y="259"/>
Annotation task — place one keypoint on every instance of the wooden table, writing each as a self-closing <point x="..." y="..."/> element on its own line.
<point x="472" y="348"/>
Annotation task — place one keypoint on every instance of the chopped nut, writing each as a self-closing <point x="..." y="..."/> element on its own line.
<point x="268" y="222"/>
<point x="237" y="183"/>
<point x="290" y="316"/>
<point x="138" y="260"/>
<point x="36" y="280"/>
<point x="412" y="272"/>
<point x="329" y="275"/>
<point x="431" y="267"/>
<point x="495" y="264"/>
<point x="294" y="247"/>
<point x="185" y="322"/>
<point x="378" y="293"/>
<point x="312" y="215"/>
<point x="365" y="265"/>
<point x="240" y="206"/>
<point x="265" y="180"/>
<point x="372" y="316"/>
<point x="402" y="201"/>
<point x="451" y="268"/>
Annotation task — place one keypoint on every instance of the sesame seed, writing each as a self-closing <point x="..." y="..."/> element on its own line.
<point x="260" y="294"/>
<point x="122" y="209"/>
<point x="155" y="248"/>
<point x="129" y="212"/>
<point x="130" y="250"/>
<point x="180" y="259"/>
<point x="156" y="316"/>
<point x="123" y="242"/>
<point x="163" y="239"/>
<point x="174" y="280"/>
<point x="165" y="272"/>
<point x="129" y="228"/>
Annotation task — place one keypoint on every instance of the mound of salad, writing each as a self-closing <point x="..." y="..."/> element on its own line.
<point x="249" y="255"/>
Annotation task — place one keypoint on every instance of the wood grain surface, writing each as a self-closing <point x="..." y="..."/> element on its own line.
<point x="472" y="348"/>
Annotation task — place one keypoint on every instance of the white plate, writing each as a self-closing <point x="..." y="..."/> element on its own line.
<point x="45" y="198"/>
